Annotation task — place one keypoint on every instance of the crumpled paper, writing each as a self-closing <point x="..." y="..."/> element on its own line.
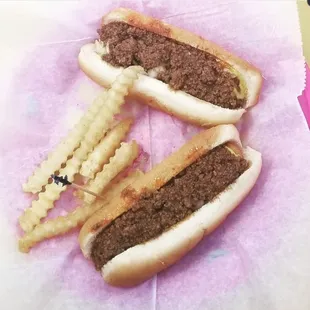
<point x="258" y="259"/>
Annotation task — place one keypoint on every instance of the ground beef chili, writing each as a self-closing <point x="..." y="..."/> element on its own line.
<point x="198" y="184"/>
<point x="185" y="68"/>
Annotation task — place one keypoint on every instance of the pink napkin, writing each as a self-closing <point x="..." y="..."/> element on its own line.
<point x="304" y="99"/>
<point x="258" y="259"/>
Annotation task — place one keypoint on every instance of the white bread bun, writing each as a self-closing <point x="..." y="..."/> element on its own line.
<point x="157" y="93"/>
<point x="142" y="261"/>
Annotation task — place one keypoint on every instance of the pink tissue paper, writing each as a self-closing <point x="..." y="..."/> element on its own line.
<point x="304" y="99"/>
<point x="258" y="259"/>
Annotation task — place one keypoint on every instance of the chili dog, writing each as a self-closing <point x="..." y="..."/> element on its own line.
<point x="166" y="212"/>
<point x="186" y="75"/>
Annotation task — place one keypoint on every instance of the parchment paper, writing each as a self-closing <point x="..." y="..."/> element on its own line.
<point x="258" y="259"/>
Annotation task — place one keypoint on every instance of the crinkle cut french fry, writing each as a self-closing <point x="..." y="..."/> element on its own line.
<point x="39" y="208"/>
<point x="65" y="148"/>
<point x="105" y="149"/>
<point x="78" y="217"/>
<point x="114" y="99"/>
<point x="123" y="158"/>
<point x="119" y="178"/>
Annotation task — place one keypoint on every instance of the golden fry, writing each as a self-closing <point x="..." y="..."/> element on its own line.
<point x="123" y="158"/>
<point x="78" y="217"/>
<point x="39" y="208"/>
<point x="105" y="149"/>
<point x="64" y="149"/>
<point x="114" y="99"/>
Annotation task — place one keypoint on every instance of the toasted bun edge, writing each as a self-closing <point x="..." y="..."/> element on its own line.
<point x="250" y="73"/>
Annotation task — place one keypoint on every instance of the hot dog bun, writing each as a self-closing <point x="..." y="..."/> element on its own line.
<point x="142" y="261"/>
<point x="158" y="94"/>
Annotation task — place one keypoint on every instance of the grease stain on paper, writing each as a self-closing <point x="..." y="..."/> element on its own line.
<point x="216" y="254"/>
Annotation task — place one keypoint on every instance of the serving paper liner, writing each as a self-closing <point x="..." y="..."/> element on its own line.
<point x="258" y="259"/>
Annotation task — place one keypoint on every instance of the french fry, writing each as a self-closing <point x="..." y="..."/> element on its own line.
<point x="78" y="217"/>
<point x="123" y="158"/>
<point x="65" y="148"/>
<point x="105" y="149"/>
<point x="114" y="99"/>
<point x="39" y="208"/>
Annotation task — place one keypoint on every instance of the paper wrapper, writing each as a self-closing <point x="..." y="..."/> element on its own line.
<point x="258" y="259"/>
